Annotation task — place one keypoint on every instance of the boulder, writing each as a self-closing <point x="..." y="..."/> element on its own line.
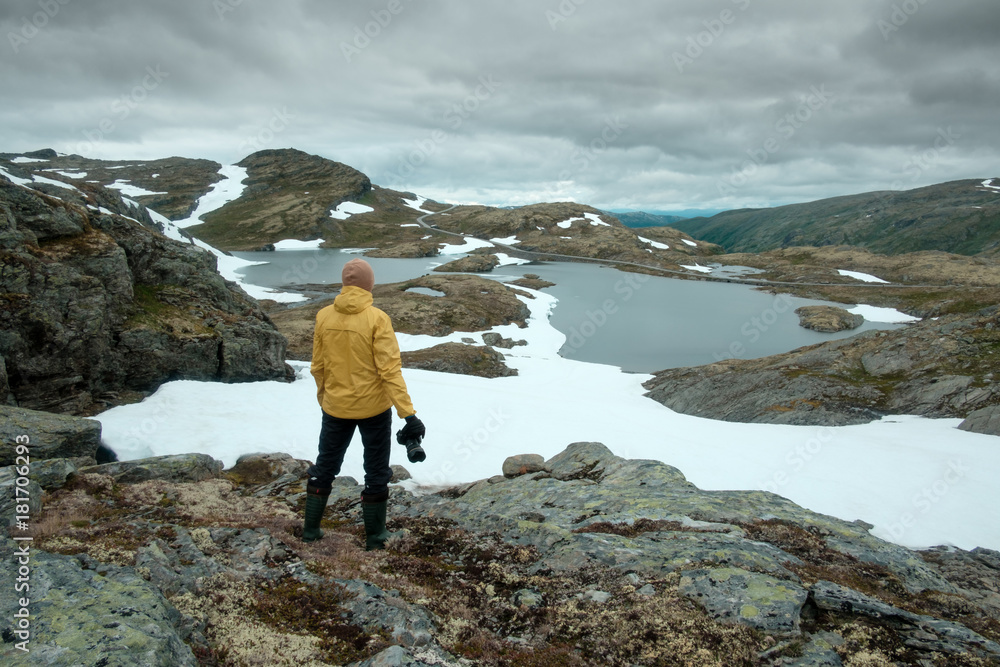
<point x="828" y="319"/>
<point x="264" y="468"/>
<point x="109" y="617"/>
<point x="50" y="436"/>
<point x="985" y="420"/>
<point x="173" y="468"/>
<point x="523" y="464"/>
<point x="493" y="339"/>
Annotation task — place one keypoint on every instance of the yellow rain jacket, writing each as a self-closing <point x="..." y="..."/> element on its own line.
<point x="356" y="359"/>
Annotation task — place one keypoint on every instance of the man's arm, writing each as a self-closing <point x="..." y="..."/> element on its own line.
<point x="389" y="366"/>
<point x="317" y="367"/>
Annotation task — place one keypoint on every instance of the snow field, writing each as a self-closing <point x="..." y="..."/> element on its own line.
<point x="920" y="482"/>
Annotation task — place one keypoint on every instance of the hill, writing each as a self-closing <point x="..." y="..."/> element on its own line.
<point x="643" y="219"/>
<point x="961" y="217"/>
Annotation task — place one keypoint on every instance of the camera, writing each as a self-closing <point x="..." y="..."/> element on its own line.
<point x="414" y="452"/>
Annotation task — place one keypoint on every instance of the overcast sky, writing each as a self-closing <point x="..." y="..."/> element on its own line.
<point x="647" y="104"/>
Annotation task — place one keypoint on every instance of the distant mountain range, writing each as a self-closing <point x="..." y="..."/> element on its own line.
<point x="961" y="217"/>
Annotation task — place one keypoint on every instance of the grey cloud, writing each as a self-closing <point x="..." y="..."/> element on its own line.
<point x="372" y="100"/>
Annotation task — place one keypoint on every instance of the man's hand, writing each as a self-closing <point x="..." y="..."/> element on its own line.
<point x="413" y="430"/>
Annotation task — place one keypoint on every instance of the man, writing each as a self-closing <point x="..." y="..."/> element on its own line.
<point x="358" y="379"/>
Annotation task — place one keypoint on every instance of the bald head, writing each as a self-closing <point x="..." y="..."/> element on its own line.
<point x="358" y="273"/>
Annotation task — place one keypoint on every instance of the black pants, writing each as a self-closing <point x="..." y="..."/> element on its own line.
<point x="335" y="436"/>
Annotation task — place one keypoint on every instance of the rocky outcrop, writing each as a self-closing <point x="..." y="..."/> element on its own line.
<point x="936" y="368"/>
<point x="585" y="558"/>
<point x="103" y="615"/>
<point x="289" y="194"/>
<point x="983" y="420"/>
<point x="405" y="250"/>
<point x="461" y="359"/>
<point x="49" y="436"/>
<point x="94" y="305"/>
<point x="173" y="468"/>
<point x="470" y="264"/>
<point x="828" y="319"/>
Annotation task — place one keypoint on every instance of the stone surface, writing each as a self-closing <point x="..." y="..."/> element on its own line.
<point x="172" y="468"/>
<point x="523" y="464"/>
<point x="262" y="468"/>
<point x="100" y="303"/>
<point x="828" y="319"/>
<point x="82" y="617"/>
<point x="732" y="595"/>
<point x="50" y="436"/>
<point x="984" y="420"/>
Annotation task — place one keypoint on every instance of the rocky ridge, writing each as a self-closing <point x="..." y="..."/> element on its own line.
<point x="936" y="368"/>
<point x="583" y="559"/>
<point x="959" y="217"/>
<point x="97" y="305"/>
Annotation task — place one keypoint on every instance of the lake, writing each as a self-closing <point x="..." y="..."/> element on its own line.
<point x="639" y="323"/>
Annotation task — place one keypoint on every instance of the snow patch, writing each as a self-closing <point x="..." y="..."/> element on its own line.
<point x="690" y="243"/>
<point x="127" y="188"/>
<point x="888" y="315"/>
<point x="507" y="260"/>
<point x="349" y="208"/>
<point x="697" y="267"/>
<point x="416" y="204"/>
<point x="293" y="244"/>
<point x="410" y="224"/>
<point x="229" y="188"/>
<point x="863" y="277"/>
<point x="655" y="244"/>
<point x="510" y="240"/>
<point x="566" y="224"/>
<point x="595" y="220"/>
<point x="469" y="244"/>
<point x="988" y="184"/>
<point x="27" y="160"/>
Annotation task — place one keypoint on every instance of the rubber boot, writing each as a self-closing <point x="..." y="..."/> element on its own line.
<point x="373" y="509"/>
<point x="316" y="499"/>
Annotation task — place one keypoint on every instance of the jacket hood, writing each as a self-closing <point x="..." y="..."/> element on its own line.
<point x="352" y="300"/>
